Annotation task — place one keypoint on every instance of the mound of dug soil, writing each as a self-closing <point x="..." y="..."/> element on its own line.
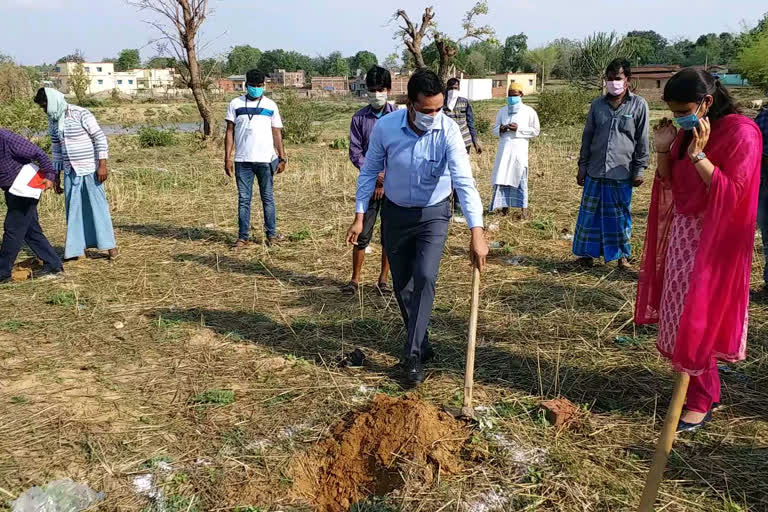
<point x="365" y="451"/>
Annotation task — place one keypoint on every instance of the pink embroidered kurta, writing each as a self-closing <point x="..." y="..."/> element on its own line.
<point x="701" y="305"/>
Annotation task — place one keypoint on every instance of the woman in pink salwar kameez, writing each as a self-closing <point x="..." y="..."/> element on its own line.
<point x="694" y="280"/>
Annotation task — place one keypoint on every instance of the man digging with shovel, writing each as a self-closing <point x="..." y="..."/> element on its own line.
<point x="424" y="154"/>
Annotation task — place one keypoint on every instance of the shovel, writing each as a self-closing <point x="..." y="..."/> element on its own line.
<point x="656" y="473"/>
<point x="469" y="372"/>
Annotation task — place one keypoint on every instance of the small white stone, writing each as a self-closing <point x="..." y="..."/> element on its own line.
<point x="118" y="325"/>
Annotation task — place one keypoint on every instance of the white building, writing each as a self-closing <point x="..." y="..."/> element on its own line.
<point x="103" y="78"/>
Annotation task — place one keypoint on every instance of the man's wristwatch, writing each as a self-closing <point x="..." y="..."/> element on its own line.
<point x="698" y="158"/>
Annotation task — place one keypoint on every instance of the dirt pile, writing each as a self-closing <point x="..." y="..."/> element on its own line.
<point x="24" y="270"/>
<point x="365" y="452"/>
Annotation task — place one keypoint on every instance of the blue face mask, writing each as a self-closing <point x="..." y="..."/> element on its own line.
<point x="513" y="100"/>
<point x="689" y="122"/>
<point x="255" y="92"/>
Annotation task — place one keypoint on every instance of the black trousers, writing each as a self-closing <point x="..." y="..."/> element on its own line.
<point x="414" y="239"/>
<point x="22" y="225"/>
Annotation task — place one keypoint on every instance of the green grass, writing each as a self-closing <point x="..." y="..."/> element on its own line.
<point x="18" y="399"/>
<point x="302" y="234"/>
<point x="215" y="397"/>
<point x="156" y="460"/>
<point x="62" y="298"/>
<point x="11" y="325"/>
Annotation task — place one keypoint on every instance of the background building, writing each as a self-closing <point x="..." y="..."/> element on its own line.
<point x="333" y="84"/>
<point x="285" y="78"/>
<point x="502" y="81"/>
<point x="102" y="78"/>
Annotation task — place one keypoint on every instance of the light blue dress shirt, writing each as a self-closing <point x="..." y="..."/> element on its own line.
<point x="420" y="170"/>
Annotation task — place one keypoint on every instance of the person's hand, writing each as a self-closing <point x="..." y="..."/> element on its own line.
<point x="581" y="177"/>
<point x="700" y="137"/>
<point x="57" y="184"/>
<point x="478" y="247"/>
<point x="513" y="127"/>
<point x="664" y="135"/>
<point x="479" y="148"/>
<point x="380" y="179"/>
<point x="228" y="168"/>
<point x="102" y="173"/>
<point x="378" y="192"/>
<point x="47" y="184"/>
<point x="638" y="181"/>
<point x="281" y="167"/>
<point x="355" y="229"/>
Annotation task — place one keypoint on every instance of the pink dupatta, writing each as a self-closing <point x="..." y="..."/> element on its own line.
<point x="713" y="322"/>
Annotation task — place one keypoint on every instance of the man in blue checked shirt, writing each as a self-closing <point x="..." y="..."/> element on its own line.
<point x="424" y="154"/>
<point x="762" y="206"/>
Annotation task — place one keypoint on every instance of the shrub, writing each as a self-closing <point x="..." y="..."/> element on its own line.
<point x="565" y="107"/>
<point x="298" y="117"/>
<point x="153" y="137"/>
<point x="342" y="143"/>
<point x="23" y="116"/>
<point x="482" y="125"/>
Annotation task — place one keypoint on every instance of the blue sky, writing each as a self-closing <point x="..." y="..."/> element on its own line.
<point x="35" y="31"/>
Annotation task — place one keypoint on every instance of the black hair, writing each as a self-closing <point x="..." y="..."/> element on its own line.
<point x="692" y="85"/>
<point x="616" y="66"/>
<point x="452" y="81"/>
<point x="40" y="97"/>
<point x="255" y="77"/>
<point x="424" y="81"/>
<point x="378" y="77"/>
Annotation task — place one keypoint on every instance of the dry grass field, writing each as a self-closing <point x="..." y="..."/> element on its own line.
<point x="216" y="372"/>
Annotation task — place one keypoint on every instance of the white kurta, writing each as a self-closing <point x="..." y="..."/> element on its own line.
<point x="512" y="155"/>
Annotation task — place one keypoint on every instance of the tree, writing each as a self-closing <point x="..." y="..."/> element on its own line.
<point x="391" y="62"/>
<point x="414" y="36"/>
<point x="752" y="61"/>
<point x="544" y="59"/>
<point x="515" y="48"/>
<point x="127" y="60"/>
<point x="160" y="62"/>
<point x="79" y="82"/>
<point x="180" y="30"/>
<point x="15" y="83"/>
<point x="476" y="64"/>
<point x="594" y="54"/>
<point x="566" y="49"/>
<point x="649" y="45"/>
<point x="448" y="49"/>
<point x="335" y="65"/>
<point x="76" y="56"/>
<point x="242" y="59"/>
<point x="272" y="60"/>
<point x="363" y="61"/>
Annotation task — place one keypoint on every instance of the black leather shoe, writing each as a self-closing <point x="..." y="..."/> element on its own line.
<point x="683" y="426"/>
<point x="414" y="371"/>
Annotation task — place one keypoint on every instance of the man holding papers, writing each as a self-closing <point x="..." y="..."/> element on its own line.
<point x="23" y="183"/>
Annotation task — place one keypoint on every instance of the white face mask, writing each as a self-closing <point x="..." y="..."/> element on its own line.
<point x="424" y="122"/>
<point x="453" y="97"/>
<point x="377" y="100"/>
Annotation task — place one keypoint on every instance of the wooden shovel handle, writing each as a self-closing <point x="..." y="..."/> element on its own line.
<point x="664" y="446"/>
<point x="469" y="371"/>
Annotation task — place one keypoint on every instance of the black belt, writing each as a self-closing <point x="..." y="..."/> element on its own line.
<point x="389" y="202"/>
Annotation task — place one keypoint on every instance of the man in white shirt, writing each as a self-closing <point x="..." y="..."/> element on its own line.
<point x="254" y="128"/>
<point x="516" y="124"/>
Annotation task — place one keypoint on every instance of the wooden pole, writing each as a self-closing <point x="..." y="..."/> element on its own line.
<point x="664" y="446"/>
<point x="469" y="371"/>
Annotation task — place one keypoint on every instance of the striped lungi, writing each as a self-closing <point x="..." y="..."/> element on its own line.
<point x="604" y="226"/>
<point x="507" y="196"/>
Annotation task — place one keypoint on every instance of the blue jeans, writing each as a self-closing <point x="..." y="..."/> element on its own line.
<point x="244" y="174"/>
<point x="762" y="213"/>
